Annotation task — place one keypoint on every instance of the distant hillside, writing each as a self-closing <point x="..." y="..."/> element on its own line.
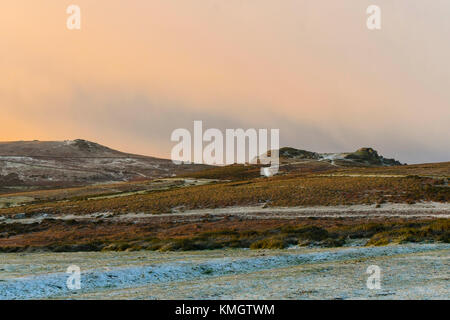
<point x="292" y="159"/>
<point x="58" y="149"/>
<point x="76" y="162"/>
<point x="361" y="157"/>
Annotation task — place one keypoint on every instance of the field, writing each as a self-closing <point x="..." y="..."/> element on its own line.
<point x="230" y="207"/>
<point x="225" y="232"/>
<point x="334" y="188"/>
<point x="418" y="271"/>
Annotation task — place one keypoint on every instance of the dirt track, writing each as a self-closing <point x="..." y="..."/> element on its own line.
<point x="390" y="210"/>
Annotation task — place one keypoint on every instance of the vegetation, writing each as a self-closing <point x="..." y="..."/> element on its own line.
<point x="232" y="186"/>
<point x="438" y="230"/>
<point x="282" y="191"/>
<point x="89" y="236"/>
<point x="232" y="172"/>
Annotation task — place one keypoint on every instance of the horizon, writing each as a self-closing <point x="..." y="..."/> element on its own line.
<point x="168" y="158"/>
<point x="131" y="76"/>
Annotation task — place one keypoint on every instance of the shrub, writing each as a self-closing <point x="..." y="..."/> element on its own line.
<point x="270" y="243"/>
<point x="311" y="233"/>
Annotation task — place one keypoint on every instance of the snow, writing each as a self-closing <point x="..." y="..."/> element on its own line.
<point x="331" y="156"/>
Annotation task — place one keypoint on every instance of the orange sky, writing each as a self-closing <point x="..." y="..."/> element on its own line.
<point x="139" y="69"/>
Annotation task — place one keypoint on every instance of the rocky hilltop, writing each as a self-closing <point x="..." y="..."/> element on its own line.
<point x="361" y="157"/>
<point x="370" y="156"/>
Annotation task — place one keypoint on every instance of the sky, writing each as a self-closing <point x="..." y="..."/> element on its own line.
<point x="137" y="70"/>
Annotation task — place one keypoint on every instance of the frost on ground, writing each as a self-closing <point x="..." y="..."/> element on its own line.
<point x="408" y="271"/>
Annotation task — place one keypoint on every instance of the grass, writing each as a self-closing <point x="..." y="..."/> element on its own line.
<point x="270" y="243"/>
<point x="239" y="186"/>
<point x="438" y="230"/>
<point x="231" y="172"/>
<point x="439" y="170"/>
<point x="90" y="237"/>
<point x="284" y="191"/>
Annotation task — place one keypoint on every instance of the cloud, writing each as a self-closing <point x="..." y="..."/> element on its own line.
<point x="312" y="69"/>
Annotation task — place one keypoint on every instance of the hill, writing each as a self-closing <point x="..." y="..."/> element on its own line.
<point x="366" y="157"/>
<point x="46" y="164"/>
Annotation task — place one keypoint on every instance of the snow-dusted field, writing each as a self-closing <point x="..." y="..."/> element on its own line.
<point x="414" y="271"/>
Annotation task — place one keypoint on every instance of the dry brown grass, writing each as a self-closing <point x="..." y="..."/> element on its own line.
<point x="54" y="235"/>
<point x="293" y="189"/>
<point x="439" y="170"/>
<point x="278" y="191"/>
